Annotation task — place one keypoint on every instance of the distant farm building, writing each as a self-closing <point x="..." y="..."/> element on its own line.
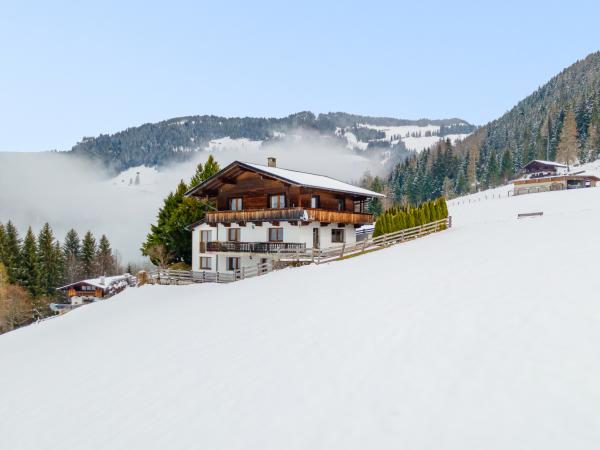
<point x="87" y="291"/>
<point x="543" y="176"/>
<point x="538" y="167"/>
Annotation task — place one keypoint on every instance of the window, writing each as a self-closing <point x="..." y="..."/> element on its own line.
<point x="277" y="201"/>
<point x="275" y="234"/>
<point x="233" y="234"/>
<point x="337" y="235"/>
<point x="315" y="201"/>
<point x="341" y="206"/>
<point x="205" y="235"/>
<point x="233" y="263"/>
<point x="205" y="262"/>
<point x="235" y="204"/>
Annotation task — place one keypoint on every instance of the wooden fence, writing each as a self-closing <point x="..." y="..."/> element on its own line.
<point x="316" y="256"/>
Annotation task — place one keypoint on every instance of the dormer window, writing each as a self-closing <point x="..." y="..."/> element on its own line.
<point x="235" y="204"/>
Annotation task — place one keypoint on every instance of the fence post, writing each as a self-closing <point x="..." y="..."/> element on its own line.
<point x="449" y="221"/>
<point x="242" y="273"/>
<point x="364" y="245"/>
<point x="343" y="247"/>
<point x="384" y="239"/>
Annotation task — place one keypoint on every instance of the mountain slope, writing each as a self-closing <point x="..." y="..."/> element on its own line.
<point x="497" y="151"/>
<point x="532" y="128"/>
<point x="483" y="336"/>
<point x="175" y="139"/>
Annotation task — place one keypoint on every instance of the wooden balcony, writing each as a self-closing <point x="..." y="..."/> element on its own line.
<point x="293" y="214"/>
<point x="255" y="247"/>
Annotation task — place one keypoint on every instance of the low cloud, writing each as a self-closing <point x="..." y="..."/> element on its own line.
<point x="70" y="192"/>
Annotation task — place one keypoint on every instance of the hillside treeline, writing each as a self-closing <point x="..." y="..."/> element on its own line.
<point x="33" y="266"/>
<point x="558" y="122"/>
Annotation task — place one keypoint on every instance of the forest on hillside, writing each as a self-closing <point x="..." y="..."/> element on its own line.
<point x="559" y="121"/>
<point x="34" y="266"/>
<point x="157" y="144"/>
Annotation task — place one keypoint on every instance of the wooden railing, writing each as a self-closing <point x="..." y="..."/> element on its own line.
<point x="294" y="213"/>
<point x="255" y="247"/>
<point x="167" y="276"/>
<point x="369" y="244"/>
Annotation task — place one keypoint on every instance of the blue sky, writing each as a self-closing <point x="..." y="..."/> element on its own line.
<point x="73" y="69"/>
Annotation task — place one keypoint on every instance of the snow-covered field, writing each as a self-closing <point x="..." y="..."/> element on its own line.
<point x="484" y="336"/>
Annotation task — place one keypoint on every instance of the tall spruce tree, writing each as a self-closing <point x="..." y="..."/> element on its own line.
<point x="29" y="268"/>
<point x="49" y="261"/>
<point x="170" y="232"/>
<point x="88" y="255"/>
<point x="12" y="250"/>
<point x="105" y="258"/>
<point x="72" y="256"/>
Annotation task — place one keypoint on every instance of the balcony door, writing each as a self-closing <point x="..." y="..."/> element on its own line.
<point x="205" y="237"/>
<point x="315" y="238"/>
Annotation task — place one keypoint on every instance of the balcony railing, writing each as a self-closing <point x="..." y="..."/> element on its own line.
<point x="255" y="247"/>
<point x="300" y="214"/>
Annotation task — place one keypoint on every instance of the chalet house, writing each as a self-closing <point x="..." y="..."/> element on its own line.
<point x="262" y="213"/>
<point x="540" y="168"/>
<point x="542" y="176"/>
<point x="86" y="291"/>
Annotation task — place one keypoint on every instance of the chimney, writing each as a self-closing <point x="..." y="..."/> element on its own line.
<point x="271" y="162"/>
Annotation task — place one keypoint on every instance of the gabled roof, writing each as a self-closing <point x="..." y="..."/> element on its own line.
<point x="295" y="177"/>
<point x="98" y="282"/>
<point x="546" y="163"/>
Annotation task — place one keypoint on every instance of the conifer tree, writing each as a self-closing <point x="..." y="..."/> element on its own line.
<point x="88" y="255"/>
<point x="2" y="243"/>
<point x="49" y="262"/>
<point x="592" y="143"/>
<point x="71" y="256"/>
<point x="506" y="166"/>
<point x="105" y="259"/>
<point x="12" y="244"/>
<point x="177" y="213"/>
<point x="568" y="146"/>
<point x="29" y="269"/>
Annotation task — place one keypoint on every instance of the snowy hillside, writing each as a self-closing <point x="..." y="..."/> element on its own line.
<point x="484" y="336"/>
<point x="414" y="137"/>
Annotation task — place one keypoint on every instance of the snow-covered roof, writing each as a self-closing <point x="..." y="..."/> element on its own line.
<point x="296" y="177"/>
<point x="100" y="282"/>
<point x="546" y="163"/>
<point x="314" y="180"/>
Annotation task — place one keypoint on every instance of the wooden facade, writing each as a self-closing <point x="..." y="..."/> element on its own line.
<point x="242" y="194"/>
<point x="83" y="289"/>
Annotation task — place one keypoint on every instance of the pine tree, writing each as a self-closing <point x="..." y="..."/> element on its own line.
<point x="104" y="256"/>
<point x="29" y="269"/>
<point x="12" y="250"/>
<point x="88" y="255"/>
<point x="48" y="262"/>
<point x="72" y="255"/>
<point x="568" y="146"/>
<point x="176" y="214"/>
<point x="506" y="166"/>
<point x="472" y="168"/>
<point x="592" y="143"/>
<point x="203" y="172"/>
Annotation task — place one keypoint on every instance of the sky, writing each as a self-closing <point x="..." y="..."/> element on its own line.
<point x="74" y="69"/>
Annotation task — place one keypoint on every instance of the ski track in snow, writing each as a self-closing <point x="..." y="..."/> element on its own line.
<point x="484" y="336"/>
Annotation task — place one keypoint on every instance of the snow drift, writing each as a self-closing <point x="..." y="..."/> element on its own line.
<point x="482" y="336"/>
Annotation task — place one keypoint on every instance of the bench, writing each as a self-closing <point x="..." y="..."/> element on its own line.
<point x="531" y="214"/>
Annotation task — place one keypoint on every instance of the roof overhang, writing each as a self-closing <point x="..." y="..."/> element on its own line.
<point x="237" y="167"/>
